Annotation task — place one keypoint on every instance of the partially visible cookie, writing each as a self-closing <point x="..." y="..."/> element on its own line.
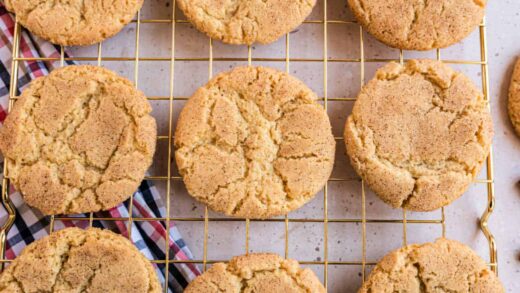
<point x="258" y="272"/>
<point x="442" y="266"/>
<point x="246" y="21"/>
<point x="254" y="143"/>
<point x="75" y="260"/>
<point x="419" y="24"/>
<point x="419" y="134"/>
<point x="78" y="140"/>
<point x="72" y="23"/>
<point x="514" y="98"/>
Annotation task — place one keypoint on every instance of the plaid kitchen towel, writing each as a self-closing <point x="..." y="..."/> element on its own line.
<point x="149" y="236"/>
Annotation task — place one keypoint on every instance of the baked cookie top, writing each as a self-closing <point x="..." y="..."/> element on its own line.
<point x="246" y="21"/>
<point x="419" y="24"/>
<point x="442" y="266"/>
<point x="74" y="22"/>
<point x="254" y="143"/>
<point x="78" y="140"/>
<point x="258" y="272"/>
<point x="418" y="134"/>
<point x="514" y="98"/>
<point x="75" y="260"/>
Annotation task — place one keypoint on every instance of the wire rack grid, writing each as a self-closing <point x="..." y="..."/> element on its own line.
<point x="169" y="177"/>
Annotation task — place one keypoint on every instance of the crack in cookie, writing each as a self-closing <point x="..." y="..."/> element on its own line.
<point x="254" y="143"/>
<point x="419" y="24"/>
<point x="78" y="140"/>
<point x="257" y="272"/>
<point x="246" y="21"/>
<point x="76" y="22"/>
<point x="75" y="260"/>
<point x="442" y="266"/>
<point x="419" y="134"/>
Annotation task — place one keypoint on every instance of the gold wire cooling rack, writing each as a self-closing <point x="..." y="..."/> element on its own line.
<point x="169" y="176"/>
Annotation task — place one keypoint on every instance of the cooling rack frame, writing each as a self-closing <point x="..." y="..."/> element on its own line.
<point x="169" y="176"/>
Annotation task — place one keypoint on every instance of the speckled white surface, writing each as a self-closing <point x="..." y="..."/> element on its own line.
<point x="306" y="240"/>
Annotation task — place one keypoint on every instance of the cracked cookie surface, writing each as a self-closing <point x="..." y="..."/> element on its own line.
<point x="76" y="260"/>
<point x="246" y="21"/>
<point x="442" y="266"/>
<point x="254" y="143"/>
<point x="78" y="140"/>
<point x="419" y="134"/>
<point x="257" y="272"/>
<point x="419" y="24"/>
<point x="514" y="98"/>
<point x="74" y="22"/>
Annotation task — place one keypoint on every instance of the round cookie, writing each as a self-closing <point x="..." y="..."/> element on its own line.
<point x="419" y="134"/>
<point x="246" y="21"/>
<point x="72" y="23"/>
<point x="442" y="266"/>
<point x="514" y="98"/>
<point x="78" y="140"/>
<point x="258" y="272"/>
<point x="419" y="24"/>
<point x="254" y="143"/>
<point x="75" y="260"/>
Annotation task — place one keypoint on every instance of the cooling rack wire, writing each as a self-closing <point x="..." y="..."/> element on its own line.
<point x="325" y="220"/>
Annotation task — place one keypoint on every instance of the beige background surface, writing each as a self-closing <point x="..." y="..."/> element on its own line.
<point x="306" y="240"/>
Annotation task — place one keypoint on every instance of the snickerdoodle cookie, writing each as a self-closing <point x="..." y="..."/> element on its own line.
<point x="418" y="134"/>
<point x="78" y="140"/>
<point x="74" y="22"/>
<point x="254" y="143"/>
<point x="419" y="24"/>
<point x="258" y="272"/>
<point x="514" y="98"/>
<point x="442" y="266"/>
<point x="246" y="21"/>
<point x="75" y="260"/>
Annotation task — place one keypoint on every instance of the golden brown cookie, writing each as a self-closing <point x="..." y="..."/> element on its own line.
<point x="254" y="143"/>
<point x="246" y="21"/>
<point x="74" y="22"/>
<point x="514" y="98"/>
<point x="442" y="266"/>
<point x="418" y="134"/>
<point x="258" y="272"/>
<point x="78" y="140"/>
<point x="75" y="260"/>
<point x="419" y="24"/>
